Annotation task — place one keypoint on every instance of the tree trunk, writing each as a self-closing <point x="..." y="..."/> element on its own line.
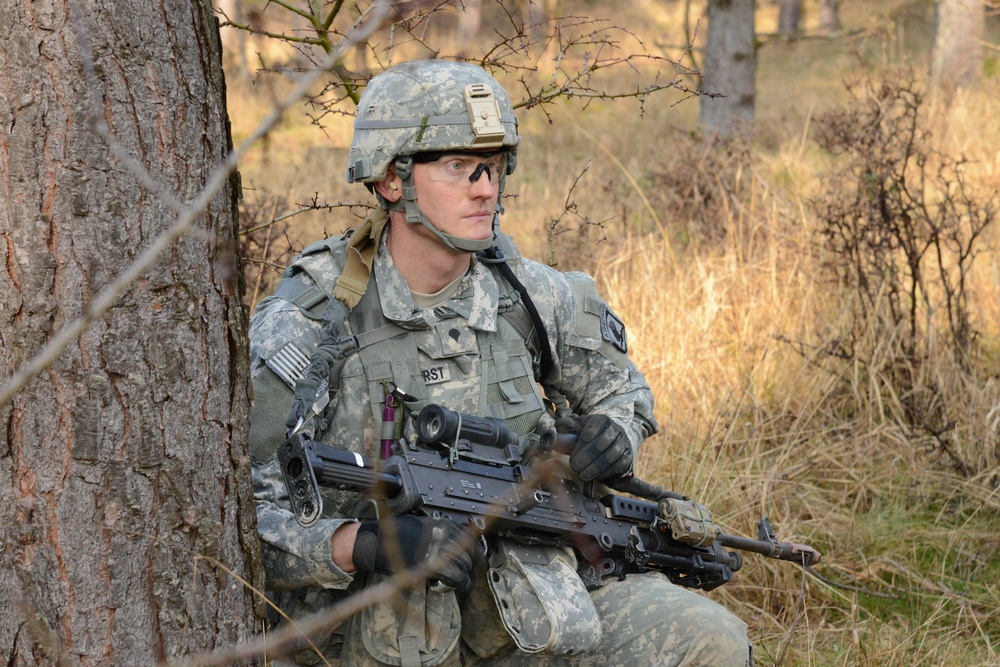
<point x="729" y="70"/>
<point x="536" y="14"/>
<point x="123" y="468"/>
<point x="958" y="44"/>
<point x="828" y="14"/>
<point x="789" y="14"/>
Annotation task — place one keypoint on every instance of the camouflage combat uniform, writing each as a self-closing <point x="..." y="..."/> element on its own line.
<point x="465" y="355"/>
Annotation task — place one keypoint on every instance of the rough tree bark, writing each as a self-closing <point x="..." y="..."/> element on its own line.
<point x="730" y="70"/>
<point x="123" y="472"/>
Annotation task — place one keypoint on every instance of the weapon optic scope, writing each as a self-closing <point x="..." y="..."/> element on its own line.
<point x="436" y="424"/>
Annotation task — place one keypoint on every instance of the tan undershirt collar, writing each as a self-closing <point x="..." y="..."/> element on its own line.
<point x="430" y="300"/>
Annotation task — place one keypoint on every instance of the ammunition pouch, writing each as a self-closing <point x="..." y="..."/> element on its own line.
<point x="418" y="627"/>
<point x="543" y="603"/>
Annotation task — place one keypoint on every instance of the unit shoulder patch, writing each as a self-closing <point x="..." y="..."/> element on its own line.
<point x="613" y="329"/>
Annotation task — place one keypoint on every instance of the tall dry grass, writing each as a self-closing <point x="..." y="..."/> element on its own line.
<point x="762" y="415"/>
<point x="713" y="261"/>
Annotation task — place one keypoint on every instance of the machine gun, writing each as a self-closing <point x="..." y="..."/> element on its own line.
<point x="472" y="470"/>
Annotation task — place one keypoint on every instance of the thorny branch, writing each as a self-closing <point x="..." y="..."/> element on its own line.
<point x="570" y="207"/>
<point x="560" y="65"/>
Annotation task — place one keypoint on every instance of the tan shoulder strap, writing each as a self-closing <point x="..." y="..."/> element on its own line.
<point x="353" y="280"/>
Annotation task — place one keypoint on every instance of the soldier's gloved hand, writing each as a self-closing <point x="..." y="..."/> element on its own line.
<point x="603" y="451"/>
<point x="411" y="541"/>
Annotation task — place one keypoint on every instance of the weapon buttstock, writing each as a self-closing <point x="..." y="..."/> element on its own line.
<point x="300" y="480"/>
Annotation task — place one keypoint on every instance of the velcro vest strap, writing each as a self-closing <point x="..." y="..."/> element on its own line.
<point x="304" y="296"/>
<point x="383" y="333"/>
<point x="294" y="289"/>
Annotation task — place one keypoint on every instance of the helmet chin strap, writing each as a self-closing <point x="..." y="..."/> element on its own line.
<point x="408" y="205"/>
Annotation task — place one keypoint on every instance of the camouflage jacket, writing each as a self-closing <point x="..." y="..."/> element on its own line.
<point x="591" y="370"/>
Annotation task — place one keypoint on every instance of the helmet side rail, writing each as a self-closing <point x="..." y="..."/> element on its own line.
<point x="473" y="471"/>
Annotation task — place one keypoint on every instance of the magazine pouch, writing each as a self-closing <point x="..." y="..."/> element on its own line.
<point x="419" y="627"/>
<point x="542" y="601"/>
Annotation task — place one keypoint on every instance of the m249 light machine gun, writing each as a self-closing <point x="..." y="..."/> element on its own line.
<point x="472" y="471"/>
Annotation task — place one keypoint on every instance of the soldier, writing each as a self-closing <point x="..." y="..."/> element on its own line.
<point x="441" y="306"/>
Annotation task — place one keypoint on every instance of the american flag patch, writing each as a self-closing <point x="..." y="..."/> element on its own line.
<point x="289" y="363"/>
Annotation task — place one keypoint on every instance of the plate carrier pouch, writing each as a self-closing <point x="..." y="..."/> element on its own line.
<point x="542" y="601"/>
<point x="418" y="627"/>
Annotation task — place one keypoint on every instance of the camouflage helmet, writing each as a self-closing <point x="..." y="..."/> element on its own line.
<point x="426" y="106"/>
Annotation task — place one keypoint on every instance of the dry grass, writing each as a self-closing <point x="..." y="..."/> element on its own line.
<point x="733" y="323"/>
<point x="753" y="426"/>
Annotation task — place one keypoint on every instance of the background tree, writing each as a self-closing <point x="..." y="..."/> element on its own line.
<point x="124" y="482"/>
<point x="828" y="14"/>
<point x="730" y="69"/>
<point x="470" y="19"/>
<point x="958" y="43"/>
<point x="789" y="13"/>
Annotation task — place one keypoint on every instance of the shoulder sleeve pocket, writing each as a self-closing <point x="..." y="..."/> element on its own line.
<point x="595" y="326"/>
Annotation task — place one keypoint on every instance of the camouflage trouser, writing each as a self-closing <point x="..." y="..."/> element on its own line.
<point x="645" y="620"/>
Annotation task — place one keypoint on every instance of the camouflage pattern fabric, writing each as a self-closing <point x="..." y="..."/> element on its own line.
<point x="543" y="602"/>
<point x="646" y="620"/>
<point x="420" y="106"/>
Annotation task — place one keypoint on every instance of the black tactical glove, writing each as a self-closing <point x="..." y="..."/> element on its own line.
<point x="602" y="452"/>
<point x="411" y="541"/>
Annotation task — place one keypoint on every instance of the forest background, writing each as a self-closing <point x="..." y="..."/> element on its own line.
<point x="814" y="300"/>
<point x="814" y="357"/>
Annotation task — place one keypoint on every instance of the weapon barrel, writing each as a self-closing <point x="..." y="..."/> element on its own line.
<point x="795" y="553"/>
<point x="307" y="464"/>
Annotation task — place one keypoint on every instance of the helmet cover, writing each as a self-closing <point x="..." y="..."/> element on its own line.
<point x="425" y="106"/>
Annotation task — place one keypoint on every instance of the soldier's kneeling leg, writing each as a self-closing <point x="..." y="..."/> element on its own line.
<point x="646" y="620"/>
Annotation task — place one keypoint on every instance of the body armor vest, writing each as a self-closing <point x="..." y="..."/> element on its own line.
<point x="484" y="373"/>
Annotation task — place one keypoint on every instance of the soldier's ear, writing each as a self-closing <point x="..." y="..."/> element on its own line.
<point x="390" y="186"/>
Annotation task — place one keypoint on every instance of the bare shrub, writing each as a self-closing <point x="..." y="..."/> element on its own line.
<point x="902" y="224"/>
<point x="703" y="189"/>
<point x="265" y="244"/>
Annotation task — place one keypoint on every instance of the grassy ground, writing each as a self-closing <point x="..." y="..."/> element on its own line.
<point x="713" y="260"/>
